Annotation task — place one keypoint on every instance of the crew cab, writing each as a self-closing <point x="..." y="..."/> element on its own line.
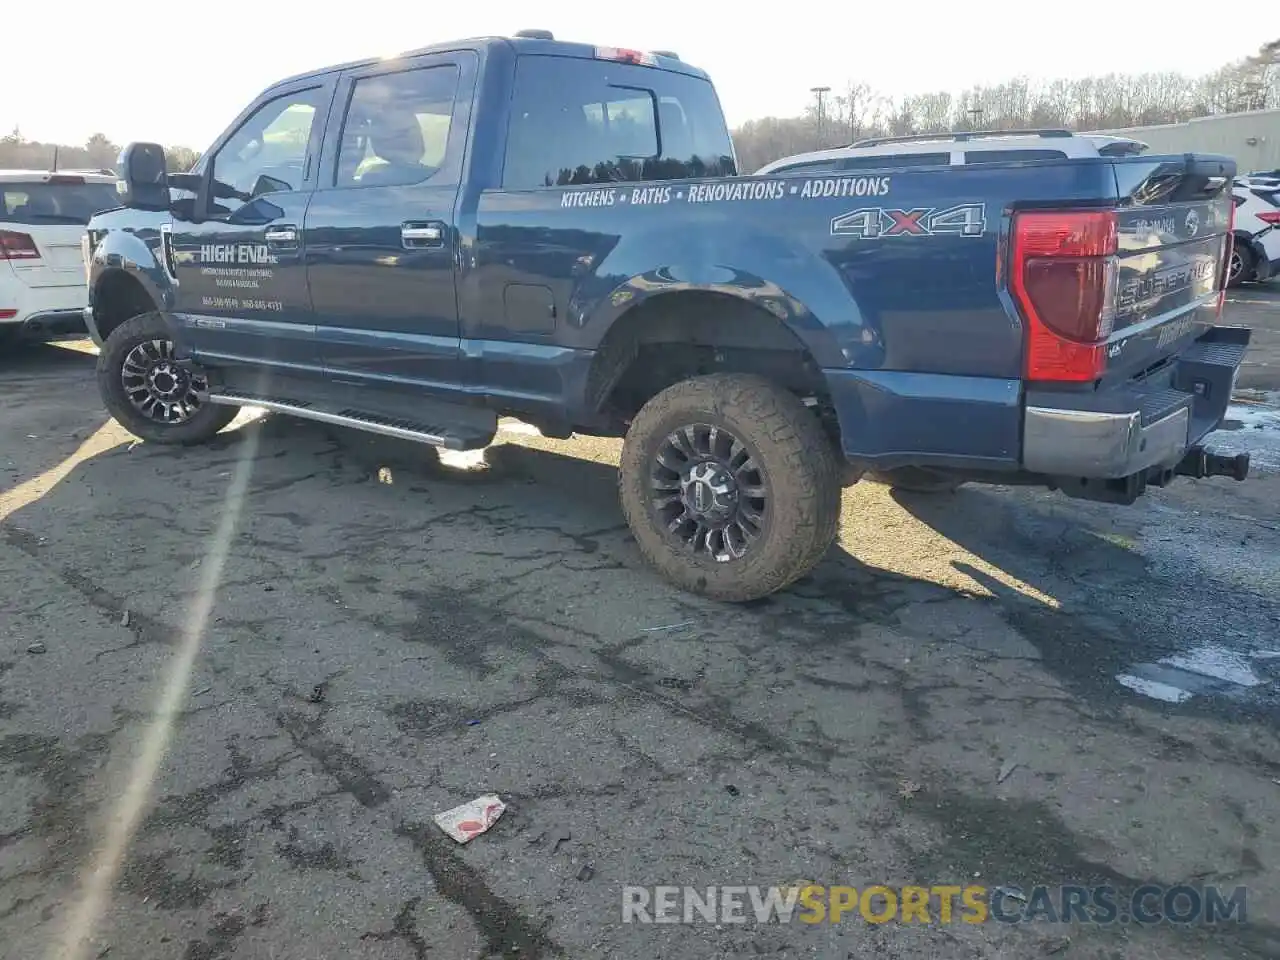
<point x="517" y="226"/>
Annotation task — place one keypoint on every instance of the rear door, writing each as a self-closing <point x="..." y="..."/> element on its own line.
<point x="241" y="292"/>
<point x="381" y="238"/>
<point x="41" y="223"/>
<point x="1173" y="229"/>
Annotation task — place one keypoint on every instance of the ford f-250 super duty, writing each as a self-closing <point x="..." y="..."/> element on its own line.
<point x="556" y="232"/>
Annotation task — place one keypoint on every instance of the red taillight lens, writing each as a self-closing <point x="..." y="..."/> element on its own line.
<point x="1270" y="216"/>
<point x="17" y="246"/>
<point x="1224" y="266"/>
<point x="1063" y="276"/>
<point x="623" y="55"/>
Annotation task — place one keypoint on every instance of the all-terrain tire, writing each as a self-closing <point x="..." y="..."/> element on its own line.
<point x="200" y="427"/>
<point x="916" y="480"/>
<point x="795" y="458"/>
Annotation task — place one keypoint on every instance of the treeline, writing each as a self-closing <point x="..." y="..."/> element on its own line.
<point x="97" y="153"/>
<point x="1094" y="103"/>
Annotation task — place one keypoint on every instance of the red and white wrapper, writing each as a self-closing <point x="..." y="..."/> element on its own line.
<point x="472" y="818"/>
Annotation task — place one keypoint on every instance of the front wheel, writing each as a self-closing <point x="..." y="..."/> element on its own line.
<point x="149" y="393"/>
<point x="730" y="486"/>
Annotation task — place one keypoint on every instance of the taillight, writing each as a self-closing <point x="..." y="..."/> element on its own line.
<point x="1063" y="276"/>
<point x="1224" y="265"/>
<point x="17" y="246"/>
<point x="1270" y="216"/>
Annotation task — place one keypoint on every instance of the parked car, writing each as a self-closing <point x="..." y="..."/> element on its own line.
<point x="957" y="150"/>
<point x="42" y="270"/>
<point x="1256" y="254"/>
<point x="553" y="231"/>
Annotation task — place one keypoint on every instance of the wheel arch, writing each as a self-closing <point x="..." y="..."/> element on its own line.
<point x="119" y="295"/>
<point x="673" y="335"/>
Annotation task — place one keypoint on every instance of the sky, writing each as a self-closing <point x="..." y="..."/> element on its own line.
<point x="178" y="73"/>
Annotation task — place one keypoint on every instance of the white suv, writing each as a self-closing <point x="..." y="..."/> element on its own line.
<point x="42" y="272"/>
<point x="958" y="149"/>
<point x="1256" y="253"/>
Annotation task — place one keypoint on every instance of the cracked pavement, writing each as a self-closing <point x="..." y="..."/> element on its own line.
<point x="393" y="635"/>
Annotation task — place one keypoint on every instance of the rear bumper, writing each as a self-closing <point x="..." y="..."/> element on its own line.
<point x="54" y="323"/>
<point x="1085" y="443"/>
<point x="1143" y="430"/>
<point x="47" y="311"/>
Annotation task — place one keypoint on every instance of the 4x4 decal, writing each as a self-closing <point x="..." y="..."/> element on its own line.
<point x="872" y="223"/>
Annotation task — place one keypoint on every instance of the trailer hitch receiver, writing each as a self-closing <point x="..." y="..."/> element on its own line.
<point x="1199" y="462"/>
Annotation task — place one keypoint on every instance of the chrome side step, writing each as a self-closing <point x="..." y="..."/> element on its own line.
<point x="360" y="420"/>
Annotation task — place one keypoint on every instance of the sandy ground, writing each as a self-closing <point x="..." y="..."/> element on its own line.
<point x="999" y="687"/>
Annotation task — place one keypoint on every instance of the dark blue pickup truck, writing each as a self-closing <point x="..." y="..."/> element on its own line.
<point x="557" y="232"/>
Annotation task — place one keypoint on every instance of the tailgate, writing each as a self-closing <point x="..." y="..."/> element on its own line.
<point x="1174" y="229"/>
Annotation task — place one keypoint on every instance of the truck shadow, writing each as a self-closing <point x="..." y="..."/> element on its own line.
<point x="1109" y="613"/>
<point x="1114" y="608"/>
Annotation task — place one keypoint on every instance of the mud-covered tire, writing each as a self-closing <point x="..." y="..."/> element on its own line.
<point x="202" y="425"/>
<point x="916" y="480"/>
<point x="800" y="471"/>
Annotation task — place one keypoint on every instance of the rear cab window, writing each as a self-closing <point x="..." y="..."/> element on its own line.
<point x="70" y="201"/>
<point x="576" y="121"/>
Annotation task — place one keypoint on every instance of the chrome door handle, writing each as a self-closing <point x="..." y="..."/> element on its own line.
<point x="416" y="234"/>
<point x="282" y="235"/>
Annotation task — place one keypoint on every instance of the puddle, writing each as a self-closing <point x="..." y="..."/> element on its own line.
<point x="1206" y="671"/>
<point x="1252" y="427"/>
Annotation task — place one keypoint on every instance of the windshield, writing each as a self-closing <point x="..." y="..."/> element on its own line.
<point x="59" y="202"/>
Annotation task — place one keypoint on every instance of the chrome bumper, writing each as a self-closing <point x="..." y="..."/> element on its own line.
<point x="1104" y="445"/>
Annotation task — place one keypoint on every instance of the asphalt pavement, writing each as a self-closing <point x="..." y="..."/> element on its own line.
<point x="238" y="681"/>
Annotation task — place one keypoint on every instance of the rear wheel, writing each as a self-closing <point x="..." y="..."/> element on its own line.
<point x="916" y="480"/>
<point x="730" y="486"/>
<point x="149" y="393"/>
<point x="1241" y="268"/>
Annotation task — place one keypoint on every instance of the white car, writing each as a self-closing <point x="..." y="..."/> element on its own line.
<point x="958" y="149"/>
<point x="1255" y="255"/>
<point x="42" y="271"/>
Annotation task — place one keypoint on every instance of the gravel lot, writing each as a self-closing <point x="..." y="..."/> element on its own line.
<point x="374" y="636"/>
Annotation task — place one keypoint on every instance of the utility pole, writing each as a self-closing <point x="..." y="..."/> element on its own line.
<point x="820" y="92"/>
<point x="975" y="116"/>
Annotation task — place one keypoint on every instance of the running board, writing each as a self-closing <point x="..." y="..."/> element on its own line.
<point x="398" y="427"/>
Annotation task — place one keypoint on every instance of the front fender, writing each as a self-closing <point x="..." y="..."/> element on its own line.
<point x="128" y="245"/>
<point x="776" y="272"/>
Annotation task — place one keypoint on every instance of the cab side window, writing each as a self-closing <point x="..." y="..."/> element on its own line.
<point x="396" y="131"/>
<point x="272" y="143"/>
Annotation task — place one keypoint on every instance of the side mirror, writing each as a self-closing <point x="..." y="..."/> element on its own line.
<point x="143" y="182"/>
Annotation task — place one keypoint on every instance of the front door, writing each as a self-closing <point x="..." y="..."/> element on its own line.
<point x="380" y="238"/>
<point x="241" y="291"/>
